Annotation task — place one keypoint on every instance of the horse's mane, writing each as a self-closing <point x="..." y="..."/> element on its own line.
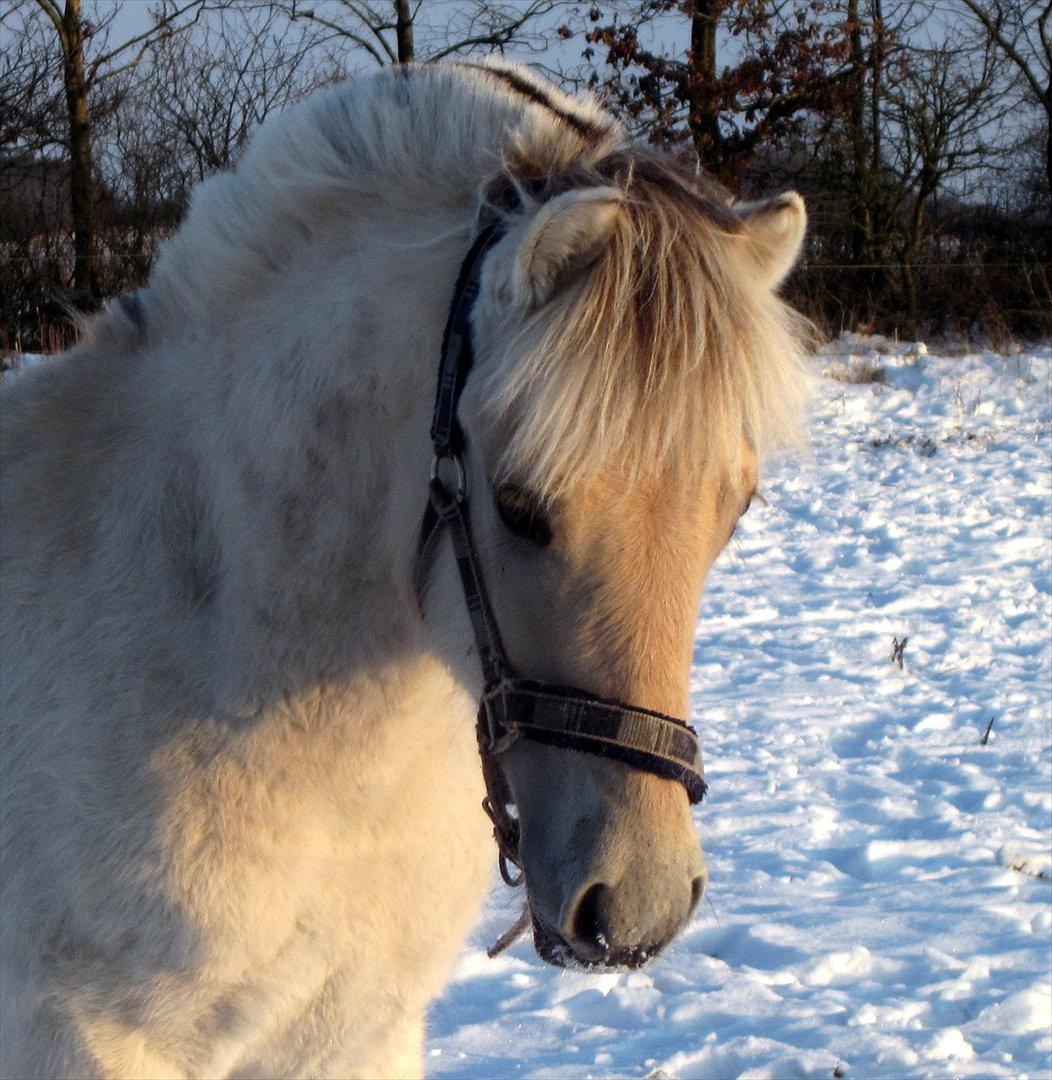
<point x="668" y="354"/>
<point x="665" y="353"/>
<point x="417" y="140"/>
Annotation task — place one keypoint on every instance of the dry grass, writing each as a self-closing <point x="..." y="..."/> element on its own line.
<point x="859" y="372"/>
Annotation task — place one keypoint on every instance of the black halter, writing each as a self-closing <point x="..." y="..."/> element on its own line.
<point x="513" y="708"/>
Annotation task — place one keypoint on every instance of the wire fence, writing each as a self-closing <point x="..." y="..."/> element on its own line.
<point x="998" y="297"/>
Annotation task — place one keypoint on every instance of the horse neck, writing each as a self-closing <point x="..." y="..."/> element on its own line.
<point x="318" y="453"/>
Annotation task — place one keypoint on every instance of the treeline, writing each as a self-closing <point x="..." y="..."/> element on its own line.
<point x="918" y="130"/>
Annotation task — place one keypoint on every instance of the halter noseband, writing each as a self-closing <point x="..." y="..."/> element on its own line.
<point x="513" y="708"/>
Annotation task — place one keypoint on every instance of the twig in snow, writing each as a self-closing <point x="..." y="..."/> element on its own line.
<point x="713" y="906"/>
<point x="898" y="648"/>
<point x="986" y="734"/>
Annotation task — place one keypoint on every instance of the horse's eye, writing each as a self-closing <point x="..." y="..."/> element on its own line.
<point x="522" y="515"/>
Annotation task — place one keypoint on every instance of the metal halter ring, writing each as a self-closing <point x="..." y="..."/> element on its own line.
<point x="462" y="478"/>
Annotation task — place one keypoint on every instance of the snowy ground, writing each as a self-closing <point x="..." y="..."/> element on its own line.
<point x="880" y="879"/>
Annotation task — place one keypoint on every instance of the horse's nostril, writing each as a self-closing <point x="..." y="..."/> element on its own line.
<point x="697" y="888"/>
<point x="590" y="925"/>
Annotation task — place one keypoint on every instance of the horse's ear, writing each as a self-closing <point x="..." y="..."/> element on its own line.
<point x="565" y="236"/>
<point x="774" y="233"/>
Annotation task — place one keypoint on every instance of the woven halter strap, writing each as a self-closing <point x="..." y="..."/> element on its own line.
<point x="512" y="707"/>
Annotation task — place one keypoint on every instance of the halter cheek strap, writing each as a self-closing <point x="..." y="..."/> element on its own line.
<point x="512" y="708"/>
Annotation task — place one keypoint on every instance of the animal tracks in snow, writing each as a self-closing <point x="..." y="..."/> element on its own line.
<point x="880" y="901"/>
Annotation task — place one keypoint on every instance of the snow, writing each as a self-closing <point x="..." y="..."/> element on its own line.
<point x="879" y="899"/>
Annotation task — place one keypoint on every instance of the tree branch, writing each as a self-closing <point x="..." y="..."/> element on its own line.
<point x="499" y="36"/>
<point x="996" y="33"/>
<point x="52" y="12"/>
<point x="340" y="31"/>
<point x="1042" y="31"/>
<point x="163" y="27"/>
<point x="375" y="28"/>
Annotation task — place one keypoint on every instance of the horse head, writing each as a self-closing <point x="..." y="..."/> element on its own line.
<point x="612" y="426"/>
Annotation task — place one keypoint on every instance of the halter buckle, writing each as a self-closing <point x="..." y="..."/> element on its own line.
<point x="499" y="737"/>
<point x="436" y="478"/>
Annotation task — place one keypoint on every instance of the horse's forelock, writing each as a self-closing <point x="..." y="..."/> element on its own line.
<point x="666" y="355"/>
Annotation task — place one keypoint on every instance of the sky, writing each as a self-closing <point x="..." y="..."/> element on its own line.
<point x="556" y="56"/>
<point x="133" y="17"/>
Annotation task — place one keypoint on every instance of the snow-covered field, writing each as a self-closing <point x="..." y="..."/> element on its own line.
<point x="880" y="876"/>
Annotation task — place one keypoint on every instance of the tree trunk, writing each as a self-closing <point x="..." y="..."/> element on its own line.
<point x="404" y="31"/>
<point x="857" y="142"/>
<point x="927" y="185"/>
<point x="1048" y="152"/>
<point x="703" y="109"/>
<point x="877" y="67"/>
<point x="81" y="173"/>
<point x="880" y="224"/>
<point x="911" y="299"/>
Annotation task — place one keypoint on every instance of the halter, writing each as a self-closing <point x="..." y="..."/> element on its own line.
<point x="512" y="708"/>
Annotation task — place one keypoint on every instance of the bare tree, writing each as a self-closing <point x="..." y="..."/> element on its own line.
<point x="793" y="62"/>
<point x="88" y="61"/>
<point x="857" y="131"/>
<point x="206" y="91"/>
<point x="401" y="31"/>
<point x="1021" y="31"/>
<point x="197" y="98"/>
<point x="880" y="32"/>
<point x="944" y="120"/>
<point x="30" y="80"/>
<point x="915" y="161"/>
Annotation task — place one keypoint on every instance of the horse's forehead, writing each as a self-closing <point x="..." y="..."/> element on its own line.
<point x="663" y="507"/>
<point x="655" y="489"/>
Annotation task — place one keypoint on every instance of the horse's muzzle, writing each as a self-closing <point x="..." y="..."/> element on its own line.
<point x="594" y="932"/>
<point x="553" y="948"/>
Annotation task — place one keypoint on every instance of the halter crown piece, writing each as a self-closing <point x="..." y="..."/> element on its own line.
<point x="512" y="708"/>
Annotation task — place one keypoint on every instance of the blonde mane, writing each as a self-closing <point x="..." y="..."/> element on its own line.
<point x="668" y="354"/>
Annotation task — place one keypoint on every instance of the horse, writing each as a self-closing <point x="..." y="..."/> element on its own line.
<point x="244" y="830"/>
